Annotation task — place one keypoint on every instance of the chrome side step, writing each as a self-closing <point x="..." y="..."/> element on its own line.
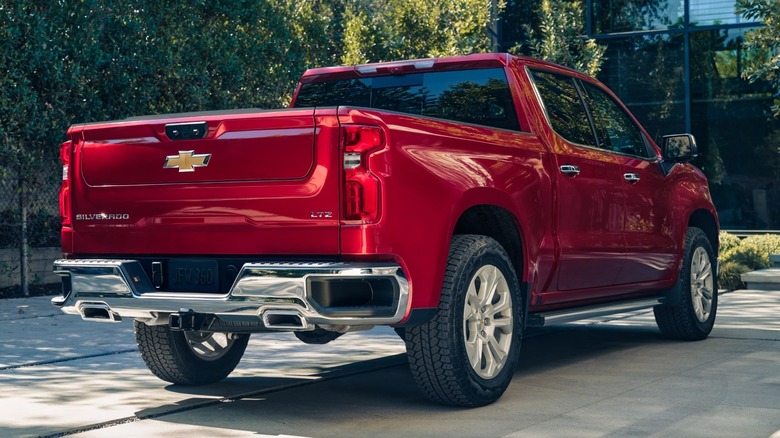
<point x="543" y="319"/>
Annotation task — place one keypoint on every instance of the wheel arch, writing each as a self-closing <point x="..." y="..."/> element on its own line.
<point x="499" y="224"/>
<point x="705" y="220"/>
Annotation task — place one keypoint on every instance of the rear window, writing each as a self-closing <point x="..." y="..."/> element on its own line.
<point x="473" y="96"/>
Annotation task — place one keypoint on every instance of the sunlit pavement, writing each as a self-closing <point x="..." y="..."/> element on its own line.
<point x="607" y="377"/>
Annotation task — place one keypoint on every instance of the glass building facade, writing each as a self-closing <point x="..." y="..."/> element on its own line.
<point x="677" y="65"/>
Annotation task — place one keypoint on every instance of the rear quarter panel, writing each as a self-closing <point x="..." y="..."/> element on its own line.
<point x="432" y="171"/>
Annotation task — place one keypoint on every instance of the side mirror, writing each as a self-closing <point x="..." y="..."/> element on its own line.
<point x="680" y="148"/>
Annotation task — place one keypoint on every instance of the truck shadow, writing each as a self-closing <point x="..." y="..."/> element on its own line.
<point x="571" y="343"/>
<point x="379" y="397"/>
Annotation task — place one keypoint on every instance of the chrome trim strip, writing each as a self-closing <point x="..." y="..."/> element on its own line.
<point x="122" y="288"/>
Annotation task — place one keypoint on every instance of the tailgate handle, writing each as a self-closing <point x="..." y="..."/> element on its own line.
<point x="186" y="131"/>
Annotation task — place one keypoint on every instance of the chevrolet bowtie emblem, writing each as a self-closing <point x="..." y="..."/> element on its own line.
<point x="186" y="161"/>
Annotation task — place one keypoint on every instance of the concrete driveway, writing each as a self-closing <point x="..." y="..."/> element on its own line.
<point x="60" y="376"/>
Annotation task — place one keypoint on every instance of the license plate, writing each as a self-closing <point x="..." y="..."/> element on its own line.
<point x="193" y="275"/>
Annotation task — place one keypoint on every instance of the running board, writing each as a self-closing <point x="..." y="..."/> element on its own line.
<point x="543" y="319"/>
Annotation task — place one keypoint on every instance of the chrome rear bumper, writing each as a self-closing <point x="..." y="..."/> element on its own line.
<point x="264" y="296"/>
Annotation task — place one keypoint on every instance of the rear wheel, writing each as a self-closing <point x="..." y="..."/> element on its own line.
<point x="693" y="315"/>
<point x="189" y="358"/>
<point x="466" y="355"/>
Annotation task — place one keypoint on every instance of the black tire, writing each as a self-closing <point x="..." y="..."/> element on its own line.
<point x="189" y="358"/>
<point x="440" y="351"/>
<point x="692" y="316"/>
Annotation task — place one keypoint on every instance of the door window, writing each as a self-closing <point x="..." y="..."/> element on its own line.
<point x="614" y="128"/>
<point x="564" y="107"/>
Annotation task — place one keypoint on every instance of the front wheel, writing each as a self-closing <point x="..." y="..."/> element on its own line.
<point x="188" y="357"/>
<point x="466" y="355"/>
<point x="692" y="317"/>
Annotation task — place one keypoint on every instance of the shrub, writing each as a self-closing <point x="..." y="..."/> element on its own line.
<point x="753" y="251"/>
<point x="727" y="242"/>
<point x="730" y="275"/>
<point x="738" y="256"/>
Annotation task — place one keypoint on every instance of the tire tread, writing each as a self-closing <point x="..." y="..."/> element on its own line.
<point x="678" y="321"/>
<point x="429" y="348"/>
<point x="168" y="357"/>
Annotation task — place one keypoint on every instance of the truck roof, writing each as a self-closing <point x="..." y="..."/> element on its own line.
<point x="475" y="60"/>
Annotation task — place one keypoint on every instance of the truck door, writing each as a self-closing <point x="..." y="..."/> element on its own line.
<point x="650" y="246"/>
<point x="589" y="211"/>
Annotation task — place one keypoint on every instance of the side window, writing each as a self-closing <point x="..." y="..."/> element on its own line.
<point x="564" y="107"/>
<point x="614" y="128"/>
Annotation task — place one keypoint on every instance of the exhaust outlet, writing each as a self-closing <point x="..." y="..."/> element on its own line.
<point x="98" y="312"/>
<point x="284" y="320"/>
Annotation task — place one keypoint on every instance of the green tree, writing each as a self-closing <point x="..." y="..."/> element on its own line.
<point x="384" y="30"/>
<point x="560" y="37"/>
<point x="92" y="60"/>
<point x="765" y="41"/>
<point x="105" y="59"/>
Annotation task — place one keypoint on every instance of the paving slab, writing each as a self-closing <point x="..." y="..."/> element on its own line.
<point x="612" y="376"/>
<point x="33" y="330"/>
<point x="58" y="372"/>
<point x="560" y="389"/>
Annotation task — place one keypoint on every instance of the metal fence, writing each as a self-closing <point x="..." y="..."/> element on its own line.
<point x="29" y="217"/>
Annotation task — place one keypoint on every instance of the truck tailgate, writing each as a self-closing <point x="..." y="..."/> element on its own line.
<point x="205" y="183"/>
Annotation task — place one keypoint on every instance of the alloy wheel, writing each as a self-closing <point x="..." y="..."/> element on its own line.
<point x="209" y="346"/>
<point x="701" y="284"/>
<point x="488" y="321"/>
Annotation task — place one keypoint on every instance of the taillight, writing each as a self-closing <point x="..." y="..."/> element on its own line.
<point x="65" y="206"/>
<point x="361" y="188"/>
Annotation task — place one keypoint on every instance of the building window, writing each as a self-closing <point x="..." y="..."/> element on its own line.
<point x="612" y="16"/>
<point x="682" y="73"/>
<point x="647" y="74"/>
<point x="714" y="12"/>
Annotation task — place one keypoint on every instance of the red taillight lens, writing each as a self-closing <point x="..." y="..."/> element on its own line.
<point x="359" y="138"/>
<point x="361" y="188"/>
<point x="65" y="206"/>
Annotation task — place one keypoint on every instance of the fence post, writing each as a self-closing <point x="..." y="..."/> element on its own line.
<point x="24" y="247"/>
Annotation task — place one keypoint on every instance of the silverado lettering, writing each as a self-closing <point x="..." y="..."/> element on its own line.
<point x="459" y="200"/>
<point x="102" y="217"/>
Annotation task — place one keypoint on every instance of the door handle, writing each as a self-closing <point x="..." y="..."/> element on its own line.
<point x="631" y="177"/>
<point x="569" y="169"/>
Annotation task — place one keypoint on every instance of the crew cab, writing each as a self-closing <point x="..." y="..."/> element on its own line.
<point x="459" y="200"/>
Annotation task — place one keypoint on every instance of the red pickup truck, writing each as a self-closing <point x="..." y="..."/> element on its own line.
<point x="459" y="200"/>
